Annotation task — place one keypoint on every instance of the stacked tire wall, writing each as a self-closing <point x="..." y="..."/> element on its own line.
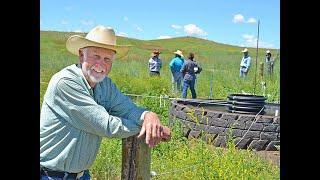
<point x="216" y="127"/>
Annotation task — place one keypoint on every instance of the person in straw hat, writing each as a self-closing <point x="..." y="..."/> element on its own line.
<point x="82" y="104"/>
<point x="245" y="63"/>
<point x="155" y="63"/>
<point x="269" y="62"/>
<point x="175" y="67"/>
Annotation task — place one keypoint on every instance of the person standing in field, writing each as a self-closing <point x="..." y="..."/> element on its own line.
<point x="155" y="63"/>
<point x="189" y="70"/>
<point x="245" y="63"/>
<point x="82" y="105"/>
<point x="175" y="66"/>
<point x="269" y="63"/>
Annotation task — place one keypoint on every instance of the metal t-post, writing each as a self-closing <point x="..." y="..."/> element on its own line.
<point x="255" y="73"/>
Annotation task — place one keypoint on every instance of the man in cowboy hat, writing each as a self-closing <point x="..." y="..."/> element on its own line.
<point x="155" y="63"/>
<point x="175" y="67"/>
<point x="269" y="63"/>
<point x="245" y="63"/>
<point x="82" y="105"/>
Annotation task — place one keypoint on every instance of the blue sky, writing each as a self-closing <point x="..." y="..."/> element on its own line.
<point x="232" y="22"/>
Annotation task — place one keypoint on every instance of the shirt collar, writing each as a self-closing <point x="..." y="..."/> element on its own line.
<point x="83" y="77"/>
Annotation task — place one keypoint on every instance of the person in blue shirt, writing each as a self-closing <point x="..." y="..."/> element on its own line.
<point x="82" y="105"/>
<point x="245" y="63"/>
<point x="175" y="66"/>
<point x="155" y="63"/>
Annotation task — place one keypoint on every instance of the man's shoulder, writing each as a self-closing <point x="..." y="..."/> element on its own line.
<point x="69" y="72"/>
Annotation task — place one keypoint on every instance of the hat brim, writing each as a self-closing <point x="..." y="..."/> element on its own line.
<point x="244" y="51"/>
<point x="75" y="42"/>
<point x="179" y="54"/>
<point x="154" y="54"/>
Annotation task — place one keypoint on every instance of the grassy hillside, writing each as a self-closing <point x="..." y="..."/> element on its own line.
<point x="220" y="62"/>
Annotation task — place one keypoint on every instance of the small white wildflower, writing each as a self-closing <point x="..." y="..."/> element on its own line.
<point x="153" y="174"/>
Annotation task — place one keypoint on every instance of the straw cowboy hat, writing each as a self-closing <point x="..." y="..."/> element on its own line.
<point x="155" y="52"/>
<point x="245" y="50"/>
<point x="99" y="36"/>
<point x="268" y="52"/>
<point x="179" y="53"/>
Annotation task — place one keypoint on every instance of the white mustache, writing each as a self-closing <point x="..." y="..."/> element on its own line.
<point x="97" y="69"/>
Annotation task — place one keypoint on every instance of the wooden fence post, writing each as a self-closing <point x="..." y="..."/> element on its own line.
<point x="136" y="159"/>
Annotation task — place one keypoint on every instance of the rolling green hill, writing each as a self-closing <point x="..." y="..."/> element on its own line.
<point x="203" y="48"/>
<point x="220" y="62"/>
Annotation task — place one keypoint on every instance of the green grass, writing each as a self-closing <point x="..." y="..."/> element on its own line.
<point x="187" y="159"/>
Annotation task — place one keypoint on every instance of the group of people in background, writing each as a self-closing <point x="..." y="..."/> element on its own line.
<point x="183" y="71"/>
<point x="246" y="63"/>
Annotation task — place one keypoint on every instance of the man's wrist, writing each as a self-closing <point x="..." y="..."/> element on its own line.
<point x="142" y="115"/>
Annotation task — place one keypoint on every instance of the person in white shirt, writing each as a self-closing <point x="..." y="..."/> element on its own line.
<point x="245" y="63"/>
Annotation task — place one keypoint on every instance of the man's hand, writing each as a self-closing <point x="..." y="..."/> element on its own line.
<point x="165" y="134"/>
<point x="153" y="131"/>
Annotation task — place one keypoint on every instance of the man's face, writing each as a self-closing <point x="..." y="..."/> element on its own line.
<point x="96" y="63"/>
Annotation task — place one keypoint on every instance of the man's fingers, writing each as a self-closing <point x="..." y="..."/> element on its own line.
<point x="148" y="133"/>
<point x="159" y="130"/>
<point x="154" y="132"/>
<point x="142" y="131"/>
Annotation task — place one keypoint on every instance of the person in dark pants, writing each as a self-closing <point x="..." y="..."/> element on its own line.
<point x="189" y="70"/>
<point x="175" y="66"/>
<point x="155" y="63"/>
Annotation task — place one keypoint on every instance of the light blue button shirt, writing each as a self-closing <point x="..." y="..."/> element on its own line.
<point x="245" y="62"/>
<point x="74" y="118"/>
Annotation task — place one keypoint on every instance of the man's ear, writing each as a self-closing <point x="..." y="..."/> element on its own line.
<point x="81" y="55"/>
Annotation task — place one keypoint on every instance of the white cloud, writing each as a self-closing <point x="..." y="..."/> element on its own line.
<point x="174" y="26"/>
<point x="87" y="22"/>
<point x="125" y="18"/>
<point x="122" y="34"/>
<point x="193" y="30"/>
<point x="251" y="20"/>
<point x="177" y="32"/>
<point x="265" y="44"/>
<point x="238" y="18"/>
<point x="251" y="41"/>
<point x="248" y="38"/>
<point x="138" y="28"/>
<point x="64" y="22"/>
<point x="164" y="37"/>
<point x="78" y="30"/>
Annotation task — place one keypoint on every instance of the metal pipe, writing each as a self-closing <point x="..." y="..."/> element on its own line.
<point x="255" y="73"/>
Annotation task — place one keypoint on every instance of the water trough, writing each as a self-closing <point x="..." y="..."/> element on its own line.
<point x="214" y="122"/>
